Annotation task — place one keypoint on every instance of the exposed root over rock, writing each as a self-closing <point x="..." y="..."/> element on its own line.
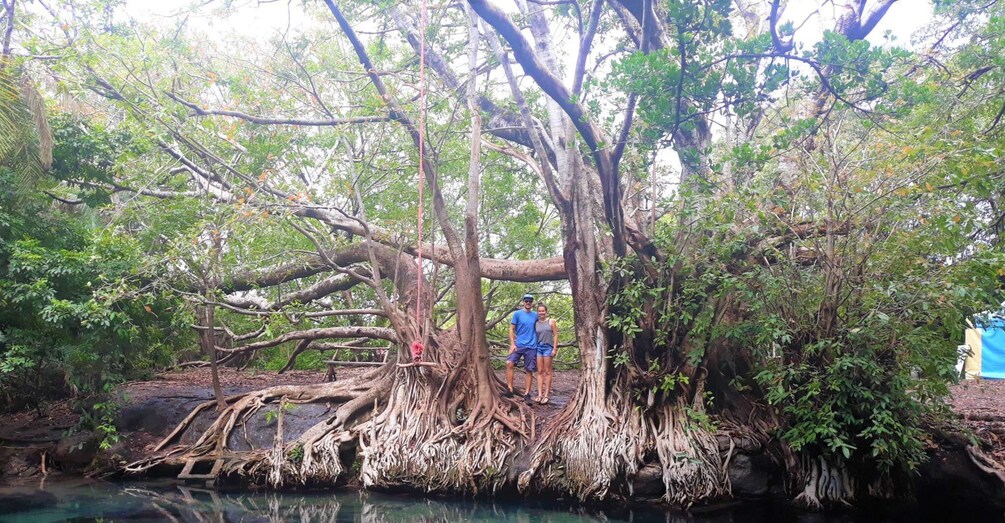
<point x="433" y="428"/>
<point x="599" y="440"/>
<point x="312" y="457"/>
<point x="426" y="441"/>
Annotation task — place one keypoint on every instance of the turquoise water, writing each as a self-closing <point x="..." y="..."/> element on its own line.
<point x="77" y="500"/>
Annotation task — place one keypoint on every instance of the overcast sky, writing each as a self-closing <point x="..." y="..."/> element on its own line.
<point x="266" y="17"/>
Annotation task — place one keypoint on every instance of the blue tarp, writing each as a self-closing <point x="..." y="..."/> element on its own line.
<point x="993" y="350"/>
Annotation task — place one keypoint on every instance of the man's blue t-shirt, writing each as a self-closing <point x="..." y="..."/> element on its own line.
<point x="526" y="337"/>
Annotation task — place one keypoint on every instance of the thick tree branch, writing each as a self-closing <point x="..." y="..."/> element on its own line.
<point x="593" y="136"/>
<point x="536" y="133"/>
<point x="62" y="200"/>
<point x="776" y="42"/>
<point x="626" y="128"/>
<point x="500" y="123"/>
<point x="585" y="45"/>
<point x="241" y="305"/>
<point x="529" y="271"/>
<point x="524" y="53"/>
<point x="860" y="26"/>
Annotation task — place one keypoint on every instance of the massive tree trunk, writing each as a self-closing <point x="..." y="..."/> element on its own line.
<point x="433" y="421"/>
<point x="603" y="420"/>
<point x="448" y="432"/>
<point x="438" y="423"/>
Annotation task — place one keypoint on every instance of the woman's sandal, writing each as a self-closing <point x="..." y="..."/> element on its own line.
<point x="544" y="401"/>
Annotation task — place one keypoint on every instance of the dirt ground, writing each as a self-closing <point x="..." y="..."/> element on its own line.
<point x="50" y="421"/>
<point x="981" y="404"/>
<point x="563" y="386"/>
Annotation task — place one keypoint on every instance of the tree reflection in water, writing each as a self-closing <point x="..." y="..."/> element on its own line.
<point x="207" y="505"/>
<point x="86" y="501"/>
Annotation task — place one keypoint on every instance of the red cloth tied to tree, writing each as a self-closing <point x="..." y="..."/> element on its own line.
<point x="416" y="351"/>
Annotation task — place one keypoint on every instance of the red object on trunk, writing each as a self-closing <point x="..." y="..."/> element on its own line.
<point x="416" y="351"/>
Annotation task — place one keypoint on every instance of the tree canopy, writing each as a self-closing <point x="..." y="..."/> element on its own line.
<point x="748" y="230"/>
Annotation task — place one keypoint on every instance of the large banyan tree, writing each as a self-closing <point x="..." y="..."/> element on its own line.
<point x="747" y="225"/>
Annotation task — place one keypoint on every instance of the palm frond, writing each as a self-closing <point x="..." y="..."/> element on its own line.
<point x="8" y="98"/>
<point x="36" y="107"/>
<point x="25" y="136"/>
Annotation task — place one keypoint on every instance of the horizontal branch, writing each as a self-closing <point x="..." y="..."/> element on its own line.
<point x="247" y="306"/>
<point x="153" y="193"/>
<point x="523" y="271"/>
<point x="342" y="346"/>
<point x="261" y="120"/>
<point x="762" y="248"/>
<point x="378" y="333"/>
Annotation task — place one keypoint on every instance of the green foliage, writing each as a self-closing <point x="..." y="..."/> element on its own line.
<point x="855" y="404"/>
<point x="854" y="369"/>
<point x="296" y="454"/>
<point x="829" y="260"/>
<point x="86" y="154"/>
<point x="858" y="393"/>
<point x="100" y="418"/>
<point x="619" y="359"/>
<point x="845" y="222"/>
<point x="700" y="417"/>
<point x="72" y="318"/>
<point x="275" y="359"/>
<point x="273" y="415"/>
<point x="25" y="136"/>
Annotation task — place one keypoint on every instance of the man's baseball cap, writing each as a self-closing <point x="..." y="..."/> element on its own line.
<point x="528" y="297"/>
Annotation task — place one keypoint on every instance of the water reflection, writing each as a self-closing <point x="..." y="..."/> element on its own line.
<point x="85" y="501"/>
<point x="79" y="501"/>
<point x="192" y="504"/>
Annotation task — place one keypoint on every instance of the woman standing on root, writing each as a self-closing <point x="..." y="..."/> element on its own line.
<point x="547" y="343"/>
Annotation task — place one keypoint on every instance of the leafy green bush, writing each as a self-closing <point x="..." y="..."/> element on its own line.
<point x="73" y="313"/>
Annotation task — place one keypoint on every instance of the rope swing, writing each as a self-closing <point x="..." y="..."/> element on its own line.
<point x="417" y="346"/>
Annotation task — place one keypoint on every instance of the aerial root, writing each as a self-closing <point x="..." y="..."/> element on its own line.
<point x="403" y="435"/>
<point x="270" y="463"/>
<point x="825" y="483"/>
<point x="693" y="469"/>
<point x="586" y="456"/>
<point x="607" y="440"/>
<point x="432" y="451"/>
<point x="986" y="464"/>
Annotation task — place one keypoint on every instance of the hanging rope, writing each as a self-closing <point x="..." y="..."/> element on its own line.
<point x="417" y="344"/>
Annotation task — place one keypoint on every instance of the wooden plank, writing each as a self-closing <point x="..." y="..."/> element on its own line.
<point x="186" y="472"/>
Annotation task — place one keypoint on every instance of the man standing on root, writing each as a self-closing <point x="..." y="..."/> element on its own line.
<point x="522" y="344"/>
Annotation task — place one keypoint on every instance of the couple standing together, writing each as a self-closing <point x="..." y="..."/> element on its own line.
<point x="533" y="336"/>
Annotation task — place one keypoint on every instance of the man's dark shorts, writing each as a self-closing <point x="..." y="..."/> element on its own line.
<point x="529" y="355"/>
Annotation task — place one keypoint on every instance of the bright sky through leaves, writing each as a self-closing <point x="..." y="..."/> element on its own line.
<point x="250" y="17"/>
